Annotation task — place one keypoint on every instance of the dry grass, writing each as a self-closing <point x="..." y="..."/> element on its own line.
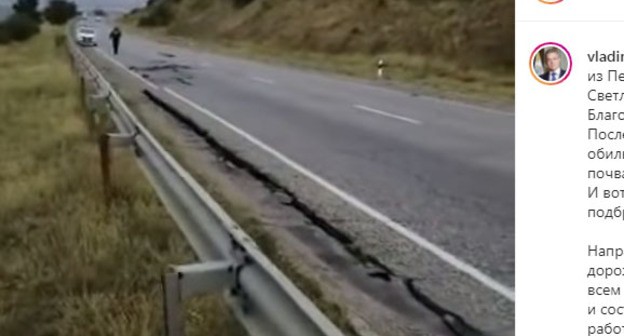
<point x="69" y="267"/>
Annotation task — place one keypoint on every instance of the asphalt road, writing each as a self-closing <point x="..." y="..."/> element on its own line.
<point x="441" y="169"/>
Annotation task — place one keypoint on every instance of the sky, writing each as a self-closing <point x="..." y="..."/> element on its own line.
<point x="90" y="4"/>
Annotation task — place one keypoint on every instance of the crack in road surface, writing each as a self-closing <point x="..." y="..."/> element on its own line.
<point x="165" y="54"/>
<point x="180" y="74"/>
<point x="454" y="322"/>
<point x="161" y="67"/>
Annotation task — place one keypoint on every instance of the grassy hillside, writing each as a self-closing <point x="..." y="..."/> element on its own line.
<point x="69" y="266"/>
<point x="470" y="41"/>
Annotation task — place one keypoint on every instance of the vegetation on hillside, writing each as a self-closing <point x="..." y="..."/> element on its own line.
<point x="24" y="21"/>
<point x="22" y="24"/>
<point x="477" y="32"/>
<point x="18" y="28"/>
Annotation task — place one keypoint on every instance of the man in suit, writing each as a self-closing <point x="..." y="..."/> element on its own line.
<point x="553" y="66"/>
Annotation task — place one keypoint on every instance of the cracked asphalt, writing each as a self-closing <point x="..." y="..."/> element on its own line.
<point x="441" y="169"/>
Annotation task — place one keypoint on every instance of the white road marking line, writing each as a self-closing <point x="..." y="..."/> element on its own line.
<point x="263" y="80"/>
<point x="121" y="65"/>
<point x="470" y="106"/>
<point x="456" y="103"/>
<point x="386" y="114"/>
<point x="450" y="259"/>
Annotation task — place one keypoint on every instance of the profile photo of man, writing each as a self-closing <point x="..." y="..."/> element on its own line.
<point x="551" y="64"/>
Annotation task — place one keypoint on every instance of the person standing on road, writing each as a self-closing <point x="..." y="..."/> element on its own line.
<point x="115" y="36"/>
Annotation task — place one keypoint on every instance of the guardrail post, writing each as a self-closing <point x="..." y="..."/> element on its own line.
<point x="105" y="141"/>
<point x="105" y="162"/>
<point x="174" y="319"/>
<point x="83" y="92"/>
<point x="84" y="105"/>
<point x="186" y="281"/>
<point x="98" y="119"/>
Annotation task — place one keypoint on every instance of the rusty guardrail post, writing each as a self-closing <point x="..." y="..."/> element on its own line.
<point x="87" y="110"/>
<point x="98" y="120"/>
<point x="105" y="165"/>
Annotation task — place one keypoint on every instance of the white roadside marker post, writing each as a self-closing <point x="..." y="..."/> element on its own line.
<point x="381" y="64"/>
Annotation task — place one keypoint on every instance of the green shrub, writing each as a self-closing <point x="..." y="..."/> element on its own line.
<point x="27" y="8"/>
<point x="18" y="27"/>
<point x="58" y="12"/>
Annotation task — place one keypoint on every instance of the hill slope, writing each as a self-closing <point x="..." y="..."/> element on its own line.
<point x="480" y="32"/>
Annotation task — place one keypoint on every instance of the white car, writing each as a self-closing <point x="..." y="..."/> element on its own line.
<point x="86" y="36"/>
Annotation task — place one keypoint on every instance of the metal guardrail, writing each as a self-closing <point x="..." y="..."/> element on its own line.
<point x="263" y="299"/>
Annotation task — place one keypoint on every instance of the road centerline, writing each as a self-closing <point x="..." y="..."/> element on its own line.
<point x="387" y="114"/>
<point x="263" y="80"/>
